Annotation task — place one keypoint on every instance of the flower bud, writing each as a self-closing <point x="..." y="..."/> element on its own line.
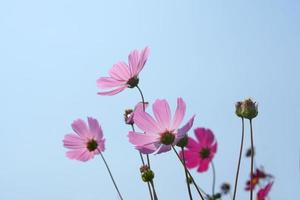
<point x="128" y="116"/>
<point x="147" y="176"/>
<point x="146" y="173"/>
<point x="238" y="109"/>
<point x="249" y="109"/>
<point x="249" y="152"/>
<point x="183" y="142"/>
<point x="225" y="188"/>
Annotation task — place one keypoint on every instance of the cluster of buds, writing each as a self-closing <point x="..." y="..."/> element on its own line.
<point x="147" y="173"/>
<point x="246" y="109"/>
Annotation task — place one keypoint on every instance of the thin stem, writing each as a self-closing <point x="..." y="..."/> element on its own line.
<point x="148" y="159"/>
<point x="196" y="186"/>
<point x="154" y="192"/>
<point x="239" y="162"/>
<point x="214" y="178"/>
<point x="111" y="176"/>
<point x="143" y="100"/>
<point x="143" y="162"/>
<point x="252" y="155"/>
<point x="186" y="175"/>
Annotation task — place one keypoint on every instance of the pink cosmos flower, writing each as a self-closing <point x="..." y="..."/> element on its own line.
<point x="263" y="192"/>
<point x="87" y="140"/>
<point x="200" y="153"/>
<point x="124" y="75"/>
<point x="163" y="131"/>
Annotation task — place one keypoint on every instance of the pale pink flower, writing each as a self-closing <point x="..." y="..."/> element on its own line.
<point x="200" y="153"/>
<point x="123" y="75"/>
<point x="263" y="192"/>
<point x="163" y="131"/>
<point x="87" y="140"/>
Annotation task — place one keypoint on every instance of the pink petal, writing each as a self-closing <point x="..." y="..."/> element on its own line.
<point x="183" y="130"/>
<point x="142" y="60"/>
<point x="179" y="113"/>
<point x="192" y="144"/>
<point x="147" y="149"/>
<point x="263" y="192"/>
<point x="213" y="149"/>
<point x="164" y="148"/>
<point x="139" y="107"/>
<point x="205" y="136"/>
<point x="80" y="127"/>
<point x="108" y="82"/>
<point x="191" y="159"/>
<point x="73" y="141"/>
<point x="203" y="165"/>
<point x="162" y="113"/>
<point x="120" y="71"/>
<point x="145" y="122"/>
<point x="113" y="92"/>
<point x="101" y="146"/>
<point x="140" y="139"/>
<point x="81" y="154"/>
<point x="95" y="128"/>
<point x="133" y="60"/>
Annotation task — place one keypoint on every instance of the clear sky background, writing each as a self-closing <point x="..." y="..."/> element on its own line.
<point x="211" y="53"/>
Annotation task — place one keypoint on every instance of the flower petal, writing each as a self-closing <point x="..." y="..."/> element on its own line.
<point x="120" y="71"/>
<point x="145" y="122"/>
<point x="72" y="141"/>
<point x="142" y="60"/>
<point x="179" y="113"/>
<point x="162" y="113"/>
<point x="205" y="136"/>
<point x="164" y="148"/>
<point x="108" y="83"/>
<point x="95" y="128"/>
<point x="203" y="165"/>
<point x="113" y="92"/>
<point x="183" y="130"/>
<point x="80" y="127"/>
<point x="141" y="139"/>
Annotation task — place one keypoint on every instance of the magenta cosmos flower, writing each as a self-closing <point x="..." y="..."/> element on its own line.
<point x="263" y="192"/>
<point x="200" y="153"/>
<point x="123" y="75"/>
<point x="163" y="131"/>
<point x="87" y="140"/>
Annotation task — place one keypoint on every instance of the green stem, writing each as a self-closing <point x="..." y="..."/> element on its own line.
<point x="252" y="155"/>
<point x="196" y="186"/>
<point x="186" y="175"/>
<point x="111" y="176"/>
<point x="148" y="159"/>
<point x="214" y="178"/>
<point x="239" y="162"/>
<point x="143" y="162"/>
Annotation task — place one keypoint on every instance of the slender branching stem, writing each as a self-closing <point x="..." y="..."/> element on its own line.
<point x="147" y="156"/>
<point x="252" y="156"/>
<point x="196" y="186"/>
<point x="111" y="176"/>
<point x="239" y="161"/>
<point x="186" y="175"/>
<point x="143" y="162"/>
<point x="214" y="178"/>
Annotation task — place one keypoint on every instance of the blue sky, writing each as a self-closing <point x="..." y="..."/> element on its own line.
<point x="211" y="53"/>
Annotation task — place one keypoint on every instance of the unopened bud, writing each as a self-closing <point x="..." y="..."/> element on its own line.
<point x="148" y="175"/>
<point x="249" y="152"/>
<point x="249" y="109"/>
<point x="128" y="116"/>
<point x="225" y="188"/>
<point x="183" y="142"/>
<point x="238" y="109"/>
